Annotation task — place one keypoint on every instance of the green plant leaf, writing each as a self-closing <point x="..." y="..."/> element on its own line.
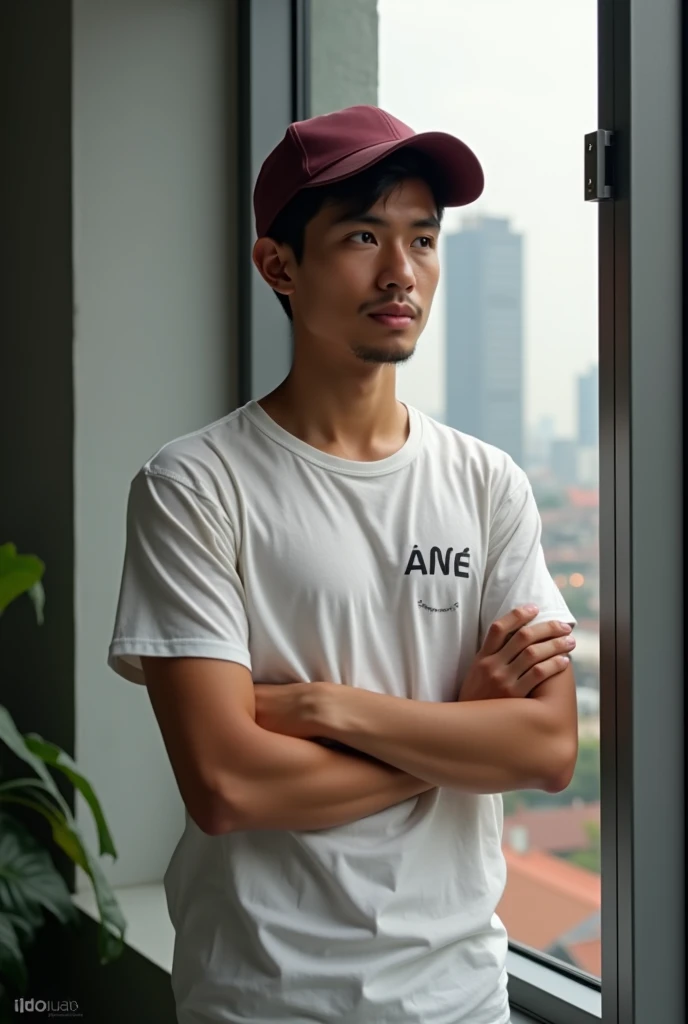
<point x="37" y="595"/>
<point x="52" y="755"/>
<point x="54" y="817"/>
<point x="25" y="864"/>
<point x="19" y="574"/>
<point x="110" y="945"/>
<point x="29" y="884"/>
<point x="36" y="789"/>
<point x="10" y="735"/>
<point x="25" y="929"/>
<point x="21" y="783"/>
<point x="24" y="895"/>
<point x="66" y="835"/>
<point x="12" y="963"/>
<point x="112" y="920"/>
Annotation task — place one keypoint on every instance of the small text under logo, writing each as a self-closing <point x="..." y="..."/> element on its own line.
<point x="451" y="608"/>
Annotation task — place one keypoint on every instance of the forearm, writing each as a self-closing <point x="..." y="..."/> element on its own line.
<point x="484" y="746"/>
<point x="296" y="784"/>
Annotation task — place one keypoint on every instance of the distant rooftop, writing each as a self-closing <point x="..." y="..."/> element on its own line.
<point x="552" y="829"/>
<point x="553" y="906"/>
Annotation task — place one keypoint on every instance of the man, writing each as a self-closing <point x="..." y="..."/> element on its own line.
<point x="349" y="636"/>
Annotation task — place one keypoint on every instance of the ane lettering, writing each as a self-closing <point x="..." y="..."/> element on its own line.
<point x="417" y="563"/>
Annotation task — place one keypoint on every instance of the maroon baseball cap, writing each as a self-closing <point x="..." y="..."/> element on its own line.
<point x="335" y="146"/>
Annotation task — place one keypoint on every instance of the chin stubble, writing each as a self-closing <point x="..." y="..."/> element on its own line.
<point x="368" y="354"/>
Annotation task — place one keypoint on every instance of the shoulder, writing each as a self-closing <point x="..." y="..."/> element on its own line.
<point x="488" y="471"/>
<point x="199" y="461"/>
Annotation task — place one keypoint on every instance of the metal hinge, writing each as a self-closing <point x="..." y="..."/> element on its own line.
<point x="599" y="184"/>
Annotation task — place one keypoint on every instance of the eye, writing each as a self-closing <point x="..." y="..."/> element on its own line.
<point x="358" y="234"/>
<point x="426" y="238"/>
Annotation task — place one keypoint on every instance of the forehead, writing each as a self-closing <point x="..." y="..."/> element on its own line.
<point x="409" y="202"/>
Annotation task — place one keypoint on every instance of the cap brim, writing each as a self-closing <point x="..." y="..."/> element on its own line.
<point x="458" y="164"/>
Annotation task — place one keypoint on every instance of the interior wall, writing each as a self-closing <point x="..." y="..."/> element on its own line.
<point x="155" y="344"/>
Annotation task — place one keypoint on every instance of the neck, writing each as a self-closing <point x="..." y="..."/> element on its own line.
<point x="359" y="418"/>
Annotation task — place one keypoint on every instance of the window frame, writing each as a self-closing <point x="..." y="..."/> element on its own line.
<point x="641" y="456"/>
<point x="273" y="90"/>
<point x="642" y="739"/>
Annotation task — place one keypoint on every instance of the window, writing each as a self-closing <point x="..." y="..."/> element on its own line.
<point x="619" y="565"/>
<point x="510" y="350"/>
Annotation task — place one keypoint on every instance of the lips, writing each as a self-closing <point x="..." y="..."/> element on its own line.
<point x="392" y="320"/>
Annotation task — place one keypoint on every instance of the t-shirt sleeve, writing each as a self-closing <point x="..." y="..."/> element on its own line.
<point x="516" y="572"/>
<point x="180" y="593"/>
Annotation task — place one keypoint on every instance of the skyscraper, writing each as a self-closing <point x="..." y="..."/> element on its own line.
<point x="483" y="270"/>
<point x="588" y="414"/>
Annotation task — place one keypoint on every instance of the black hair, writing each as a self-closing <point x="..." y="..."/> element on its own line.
<point x="357" y="194"/>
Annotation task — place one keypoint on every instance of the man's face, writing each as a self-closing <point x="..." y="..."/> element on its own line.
<point x="352" y="269"/>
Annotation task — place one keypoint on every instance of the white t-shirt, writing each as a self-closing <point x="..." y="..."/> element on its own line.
<point x="245" y="543"/>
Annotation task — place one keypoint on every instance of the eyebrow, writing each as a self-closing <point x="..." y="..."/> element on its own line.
<point x="368" y="218"/>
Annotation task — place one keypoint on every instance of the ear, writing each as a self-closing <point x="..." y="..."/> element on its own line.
<point x="273" y="262"/>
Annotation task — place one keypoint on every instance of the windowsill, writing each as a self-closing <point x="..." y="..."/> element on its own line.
<point x="150" y="933"/>
<point x="520" y="1018"/>
<point x="149" y="929"/>
<point x="551" y="994"/>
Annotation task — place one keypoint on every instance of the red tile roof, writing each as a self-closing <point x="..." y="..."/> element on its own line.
<point x="545" y="898"/>
<point x="583" y="498"/>
<point x="555" y="829"/>
<point x="587" y="955"/>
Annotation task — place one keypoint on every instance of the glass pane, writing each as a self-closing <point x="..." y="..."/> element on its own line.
<point x="510" y="350"/>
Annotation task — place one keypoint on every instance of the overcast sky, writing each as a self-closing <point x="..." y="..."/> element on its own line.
<point x="517" y="81"/>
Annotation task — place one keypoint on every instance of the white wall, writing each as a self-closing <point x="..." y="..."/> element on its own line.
<point x="155" y="344"/>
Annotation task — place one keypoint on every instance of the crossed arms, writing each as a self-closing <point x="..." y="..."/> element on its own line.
<point x="243" y="756"/>
<point x="486" y="746"/>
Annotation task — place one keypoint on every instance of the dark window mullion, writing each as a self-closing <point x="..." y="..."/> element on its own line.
<point x="271" y="91"/>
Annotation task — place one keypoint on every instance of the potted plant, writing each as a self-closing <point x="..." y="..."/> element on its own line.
<point x="30" y="884"/>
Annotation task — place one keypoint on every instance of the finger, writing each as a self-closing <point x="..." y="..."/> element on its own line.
<point x="502" y="629"/>
<point x="526" y="683"/>
<point x="535" y="654"/>
<point x="533" y="634"/>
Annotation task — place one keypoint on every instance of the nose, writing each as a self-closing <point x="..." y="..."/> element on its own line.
<point x="397" y="271"/>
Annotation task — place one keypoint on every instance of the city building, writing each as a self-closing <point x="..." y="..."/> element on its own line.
<point x="588" y="410"/>
<point x="539" y="442"/>
<point x="587" y="455"/>
<point x="564" y="461"/>
<point x="483" y="271"/>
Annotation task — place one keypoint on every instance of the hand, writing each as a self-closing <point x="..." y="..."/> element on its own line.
<point x="289" y="708"/>
<point x="515" y="657"/>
